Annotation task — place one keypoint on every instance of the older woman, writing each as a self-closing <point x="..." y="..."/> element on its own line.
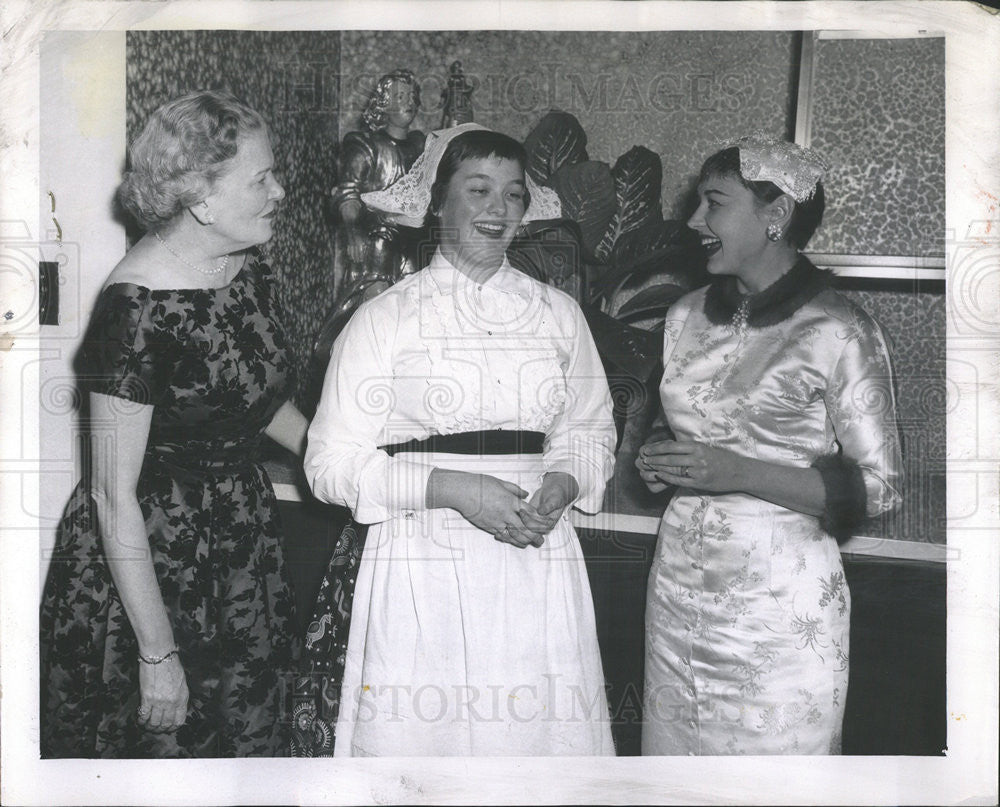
<point x="166" y="618"/>
<point x="779" y="395"/>
<point x="464" y="411"/>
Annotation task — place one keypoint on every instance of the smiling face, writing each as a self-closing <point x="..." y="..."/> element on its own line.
<point x="482" y="207"/>
<point x="733" y="227"/>
<point x="245" y="197"/>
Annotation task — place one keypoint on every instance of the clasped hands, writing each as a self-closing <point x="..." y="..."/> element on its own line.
<point x="502" y="508"/>
<point x="687" y="463"/>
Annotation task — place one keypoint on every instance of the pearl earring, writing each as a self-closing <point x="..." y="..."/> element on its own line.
<point x="773" y="232"/>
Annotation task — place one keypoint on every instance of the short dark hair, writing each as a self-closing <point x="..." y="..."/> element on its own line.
<point x="475" y="145"/>
<point x="806" y="216"/>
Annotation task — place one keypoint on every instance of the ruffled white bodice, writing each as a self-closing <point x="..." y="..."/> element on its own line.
<point x="440" y="354"/>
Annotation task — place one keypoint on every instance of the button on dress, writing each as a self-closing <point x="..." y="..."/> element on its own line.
<point x="748" y="610"/>
<point x="460" y="644"/>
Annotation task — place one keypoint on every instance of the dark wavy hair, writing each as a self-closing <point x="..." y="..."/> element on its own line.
<point x="180" y="153"/>
<point x="805" y="218"/>
<point x="475" y="145"/>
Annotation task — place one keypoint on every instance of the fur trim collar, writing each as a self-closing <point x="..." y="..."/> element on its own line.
<point x="774" y="304"/>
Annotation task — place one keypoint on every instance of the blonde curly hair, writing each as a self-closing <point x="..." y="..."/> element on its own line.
<point x="183" y="148"/>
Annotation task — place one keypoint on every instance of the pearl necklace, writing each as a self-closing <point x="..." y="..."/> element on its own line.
<point x="223" y="264"/>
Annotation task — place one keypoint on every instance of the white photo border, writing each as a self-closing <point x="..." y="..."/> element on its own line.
<point x="967" y="774"/>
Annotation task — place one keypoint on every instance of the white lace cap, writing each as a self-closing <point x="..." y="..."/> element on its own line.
<point x="791" y="167"/>
<point x="406" y="200"/>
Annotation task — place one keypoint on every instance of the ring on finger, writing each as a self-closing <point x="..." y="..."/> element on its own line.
<point x="141" y="712"/>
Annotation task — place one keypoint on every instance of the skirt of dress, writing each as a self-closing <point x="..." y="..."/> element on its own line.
<point x="217" y="554"/>
<point x="463" y="645"/>
<point x="315" y="696"/>
<point x="747" y="631"/>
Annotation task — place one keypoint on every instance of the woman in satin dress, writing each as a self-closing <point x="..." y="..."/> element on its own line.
<point x="778" y="395"/>
<point x="464" y="411"/>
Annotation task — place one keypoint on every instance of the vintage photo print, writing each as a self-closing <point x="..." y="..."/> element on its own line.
<point x="264" y="363"/>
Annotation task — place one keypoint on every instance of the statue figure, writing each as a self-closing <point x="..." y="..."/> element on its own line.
<point x="372" y="160"/>
<point x="378" y="252"/>
<point x="456" y="98"/>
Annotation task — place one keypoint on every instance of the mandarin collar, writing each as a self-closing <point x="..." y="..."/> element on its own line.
<point x="446" y="279"/>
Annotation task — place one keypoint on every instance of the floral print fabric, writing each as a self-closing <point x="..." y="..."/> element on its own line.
<point x="215" y="365"/>
<point x="748" y="612"/>
<point x="316" y="693"/>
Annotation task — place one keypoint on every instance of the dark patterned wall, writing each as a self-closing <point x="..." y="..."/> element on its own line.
<point x="878" y="115"/>
<point x="915" y="324"/>
<point x="291" y="79"/>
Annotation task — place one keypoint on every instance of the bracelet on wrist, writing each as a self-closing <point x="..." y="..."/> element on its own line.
<point x="157" y="659"/>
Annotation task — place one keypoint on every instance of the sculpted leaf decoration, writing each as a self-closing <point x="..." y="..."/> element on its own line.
<point x="657" y="248"/>
<point x="623" y="346"/>
<point x="638" y="178"/>
<point x="557" y="140"/>
<point x="550" y="251"/>
<point x="587" y="193"/>
<point x="650" y="302"/>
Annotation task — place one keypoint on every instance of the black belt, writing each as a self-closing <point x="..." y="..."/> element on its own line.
<point x="201" y="458"/>
<point x="496" y="441"/>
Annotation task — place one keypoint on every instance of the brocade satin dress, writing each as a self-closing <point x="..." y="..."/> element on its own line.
<point x="748" y="611"/>
<point x="215" y="365"/>
<point x="460" y="644"/>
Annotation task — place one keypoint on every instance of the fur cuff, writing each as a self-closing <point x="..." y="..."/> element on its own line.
<point x="846" y="497"/>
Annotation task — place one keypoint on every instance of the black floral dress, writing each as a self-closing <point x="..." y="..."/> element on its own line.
<point x="216" y="366"/>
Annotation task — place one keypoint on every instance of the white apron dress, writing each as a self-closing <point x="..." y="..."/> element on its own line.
<point x="748" y="611"/>
<point x="460" y="644"/>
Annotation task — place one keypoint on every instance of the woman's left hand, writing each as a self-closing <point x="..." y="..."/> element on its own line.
<point x="690" y="464"/>
<point x="551" y="499"/>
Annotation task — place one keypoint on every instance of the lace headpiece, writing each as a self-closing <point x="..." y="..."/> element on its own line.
<point x="791" y="167"/>
<point x="406" y="200"/>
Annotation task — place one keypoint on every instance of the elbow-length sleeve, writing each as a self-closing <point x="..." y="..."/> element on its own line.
<point x="864" y="479"/>
<point x="582" y="439"/>
<point x="343" y="463"/>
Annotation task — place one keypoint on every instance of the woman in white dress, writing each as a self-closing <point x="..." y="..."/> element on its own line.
<point x="779" y="395"/>
<point x="464" y="411"/>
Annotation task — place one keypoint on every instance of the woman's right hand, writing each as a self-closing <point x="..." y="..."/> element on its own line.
<point x="490" y="504"/>
<point x="163" y="695"/>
